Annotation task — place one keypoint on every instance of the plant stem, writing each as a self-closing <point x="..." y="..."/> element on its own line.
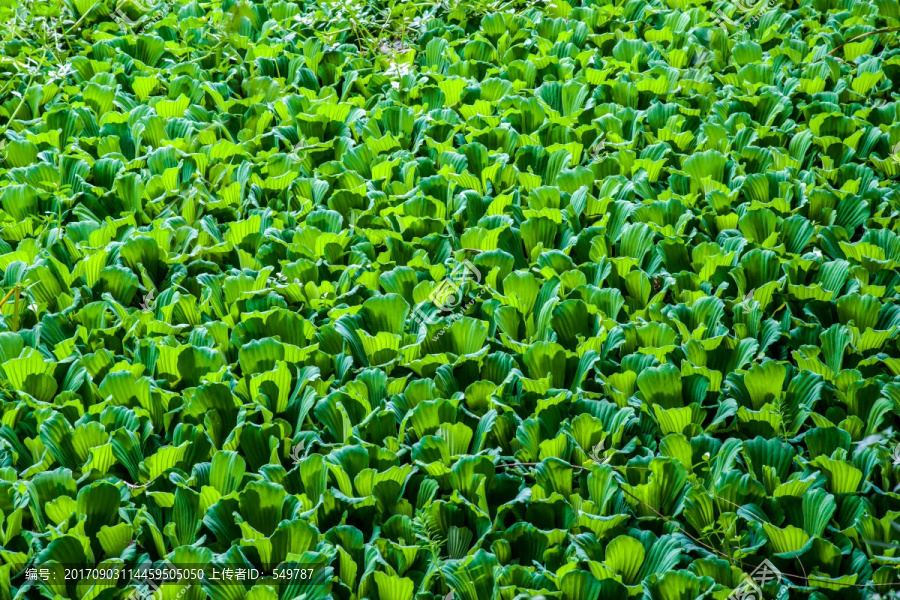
<point x="16" y="309"/>
<point x="78" y="22"/>
<point x="19" y="106"/>
<point x="859" y="37"/>
<point x="6" y="297"/>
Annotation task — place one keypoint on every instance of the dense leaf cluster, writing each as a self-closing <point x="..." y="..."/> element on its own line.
<point x="227" y="235"/>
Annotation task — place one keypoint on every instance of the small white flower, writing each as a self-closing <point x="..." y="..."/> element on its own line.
<point x="62" y="72"/>
<point x="145" y="302"/>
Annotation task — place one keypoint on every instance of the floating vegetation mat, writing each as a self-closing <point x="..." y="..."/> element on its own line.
<point x="465" y="300"/>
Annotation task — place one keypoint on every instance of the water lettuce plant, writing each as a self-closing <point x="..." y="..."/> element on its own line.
<point x="477" y="300"/>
